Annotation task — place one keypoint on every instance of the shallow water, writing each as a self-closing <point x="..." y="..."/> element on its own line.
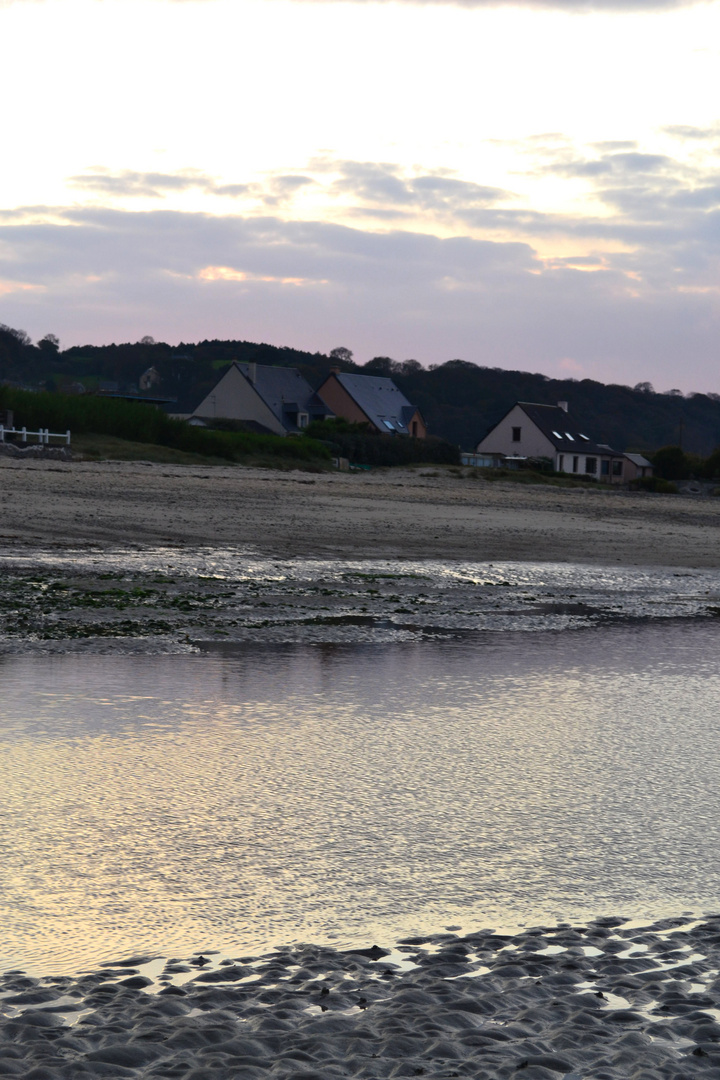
<point x="344" y="795"/>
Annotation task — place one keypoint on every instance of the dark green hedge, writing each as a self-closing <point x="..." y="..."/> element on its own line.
<point x="87" y="414"/>
<point x="363" y="449"/>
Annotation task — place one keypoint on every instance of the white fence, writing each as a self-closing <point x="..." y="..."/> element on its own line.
<point x="44" y="435"/>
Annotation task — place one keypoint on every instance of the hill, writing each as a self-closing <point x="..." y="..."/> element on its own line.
<point x="460" y="400"/>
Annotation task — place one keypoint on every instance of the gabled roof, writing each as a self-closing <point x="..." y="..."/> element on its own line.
<point x="563" y="431"/>
<point x="381" y="401"/>
<point x="285" y="392"/>
<point x="639" y="460"/>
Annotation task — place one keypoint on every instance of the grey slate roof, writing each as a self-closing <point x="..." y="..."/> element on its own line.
<point x="639" y="460"/>
<point x="381" y="401"/>
<point x="285" y="392"/>
<point x="563" y="431"/>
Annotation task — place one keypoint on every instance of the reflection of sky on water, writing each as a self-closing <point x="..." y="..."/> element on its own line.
<point x="339" y="795"/>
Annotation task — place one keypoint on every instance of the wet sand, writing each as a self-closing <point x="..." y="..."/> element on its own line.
<point x="418" y="513"/>
<point x="599" y="1001"/>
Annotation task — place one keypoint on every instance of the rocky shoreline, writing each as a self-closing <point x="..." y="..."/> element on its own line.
<point x="165" y="601"/>
<point x="607" y="1001"/>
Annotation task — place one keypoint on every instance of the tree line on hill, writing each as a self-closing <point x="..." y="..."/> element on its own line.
<point x="459" y="400"/>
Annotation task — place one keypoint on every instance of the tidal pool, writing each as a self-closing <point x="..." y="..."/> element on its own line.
<point x="351" y="794"/>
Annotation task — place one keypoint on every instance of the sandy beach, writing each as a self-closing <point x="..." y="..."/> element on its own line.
<point x="603" y="1001"/>
<point x="418" y="513"/>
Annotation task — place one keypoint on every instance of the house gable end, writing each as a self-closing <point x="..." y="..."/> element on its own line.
<point x="235" y="398"/>
<point x="342" y="403"/>
<point x="517" y="435"/>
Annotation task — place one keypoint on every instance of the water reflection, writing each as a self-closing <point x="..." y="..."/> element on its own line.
<point x="175" y="803"/>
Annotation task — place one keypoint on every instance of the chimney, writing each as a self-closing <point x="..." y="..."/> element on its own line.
<point x="563" y="405"/>
<point x="252" y="372"/>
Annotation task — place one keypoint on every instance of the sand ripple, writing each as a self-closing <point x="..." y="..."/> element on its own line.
<point x="606" y="1001"/>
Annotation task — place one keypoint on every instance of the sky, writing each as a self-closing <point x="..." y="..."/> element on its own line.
<point x="521" y="185"/>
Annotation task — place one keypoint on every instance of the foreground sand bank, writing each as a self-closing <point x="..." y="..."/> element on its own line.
<point x="423" y="513"/>
<point x="599" y="1001"/>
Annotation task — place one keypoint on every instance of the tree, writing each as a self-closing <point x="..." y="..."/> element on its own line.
<point x="49" y="344"/>
<point x="672" y="463"/>
<point x="147" y="340"/>
<point x="644" y="388"/>
<point x="341" y="354"/>
<point x="382" y="365"/>
<point x="15" y="339"/>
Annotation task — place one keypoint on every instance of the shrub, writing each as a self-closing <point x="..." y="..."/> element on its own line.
<point x="353" y="441"/>
<point x="711" y="466"/>
<point x="672" y="463"/>
<point x="656" y="484"/>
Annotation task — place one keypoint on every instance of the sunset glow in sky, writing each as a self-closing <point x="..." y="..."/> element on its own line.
<point x="528" y="186"/>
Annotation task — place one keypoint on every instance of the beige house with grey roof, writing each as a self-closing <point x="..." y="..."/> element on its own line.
<point x="529" y="430"/>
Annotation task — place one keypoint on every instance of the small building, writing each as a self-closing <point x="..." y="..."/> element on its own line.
<point x="637" y="466"/>
<point x="546" y="431"/>
<point x="149" y="378"/>
<point x="372" y="400"/>
<point x="483" y="461"/>
<point x="277" y="400"/>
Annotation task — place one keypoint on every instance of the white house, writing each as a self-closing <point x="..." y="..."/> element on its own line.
<point x="548" y="431"/>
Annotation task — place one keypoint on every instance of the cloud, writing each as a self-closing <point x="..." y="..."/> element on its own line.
<point x="447" y="266"/>
<point x="688" y="133"/>
<point x="111" y="243"/>
<point x="98" y="274"/>
<point x="274" y="190"/>
<point x="129" y="184"/>
<point x="582" y="7"/>
<point x="575" y="6"/>
<point x="626" y="164"/>
<point x="569" y="366"/>
<point x="615" y="145"/>
<point x="386" y="191"/>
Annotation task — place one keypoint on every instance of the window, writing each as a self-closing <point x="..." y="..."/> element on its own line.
<point x="591" y="465"/>
<point x="561" y="463"/>
<point x="557" y="434"/>
<point x="516" y="434"/>
<point x="302" y="420"/>
<point x="617" y="467"/>
<point x="569" y="436"/>
<point x="575" y="463"/>
<point x="388" y="425"/>
<point x="604" y="467"/>
<point x="414" y="428"/>
<point x="580" y="434"/>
